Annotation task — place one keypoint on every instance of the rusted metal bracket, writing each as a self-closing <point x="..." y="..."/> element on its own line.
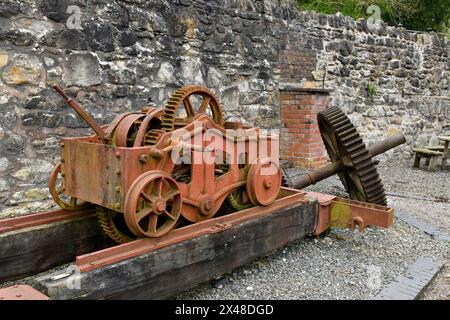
<point x="335" y="212"/>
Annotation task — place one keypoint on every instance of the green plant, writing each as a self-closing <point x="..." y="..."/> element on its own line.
<point x="413" y="14"/>
<point x="371" y="89"/>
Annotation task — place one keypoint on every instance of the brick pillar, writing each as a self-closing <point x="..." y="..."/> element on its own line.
<point x="300" y="140"/>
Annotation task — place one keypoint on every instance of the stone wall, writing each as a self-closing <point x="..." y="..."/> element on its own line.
<point x="118" y="55"/>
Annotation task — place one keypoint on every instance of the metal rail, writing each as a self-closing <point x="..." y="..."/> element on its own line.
<point x="40" y="218"/>
<point x="118" y="253"/>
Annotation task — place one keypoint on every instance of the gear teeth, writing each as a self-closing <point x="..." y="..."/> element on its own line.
<point x="105" y="218"/>
<point x="351" y="144"/>
<point x="175" y="101"/>
<point x="235" y="201"/>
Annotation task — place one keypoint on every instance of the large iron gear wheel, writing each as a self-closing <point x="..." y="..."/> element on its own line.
<point x="109" y="223"/>
<point x="343" y="142"/>
<point x="182" y="96"/>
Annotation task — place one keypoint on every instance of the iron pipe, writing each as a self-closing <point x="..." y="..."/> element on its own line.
<point x="331" y="169"/>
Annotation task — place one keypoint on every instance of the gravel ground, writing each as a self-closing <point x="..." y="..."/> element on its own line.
<point x="336" y="267"/>
<point x="439" y="289"/>
<point x="345" y="263"/>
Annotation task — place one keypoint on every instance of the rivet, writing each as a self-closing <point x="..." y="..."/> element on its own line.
<point x="118" y="172"/>
<point x="62" y="144"/>
<point x="118" y="188"/>
<point x="117" y="205"/>
<point x="117" y="154"/>
<point x="156" y="154"/>
<point x="143" y="158"/>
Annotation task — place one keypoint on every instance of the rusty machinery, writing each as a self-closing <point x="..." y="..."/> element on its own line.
<point x="127" y="168"/>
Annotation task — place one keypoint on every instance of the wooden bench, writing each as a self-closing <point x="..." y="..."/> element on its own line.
<point x="436" y="148"/>
<point x="430" y="155"/>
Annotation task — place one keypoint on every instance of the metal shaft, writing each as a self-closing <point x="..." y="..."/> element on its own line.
<point x="86" y="116"/>
<point x="331" y="169"/>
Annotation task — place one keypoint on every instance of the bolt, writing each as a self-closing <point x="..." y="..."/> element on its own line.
<point x="157" y="154"/>
<point x="143" y="158"/>
<point x="63" y="174"/>
<point x="62" y="160"/>
<point x="117" y="154"/>
<point x="267" y="184"/>
<point x="18" y="295"/>
<point x="208" y="204"/>
<point x="117" y="205"/>
<point x="118" y="172"/>
<point x="62" y="144"/>
<point x="118" y="189"/>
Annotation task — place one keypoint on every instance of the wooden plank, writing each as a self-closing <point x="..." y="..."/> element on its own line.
<point x="32" y="250"/>
<point x="436" y="148"/>
<point x="173" y="269"/>
<point x="427" y="152"/>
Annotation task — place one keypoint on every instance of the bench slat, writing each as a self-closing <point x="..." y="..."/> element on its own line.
<point x="429" y="152"/>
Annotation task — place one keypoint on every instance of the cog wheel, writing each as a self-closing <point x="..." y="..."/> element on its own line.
<point x="57" y="188"/>
<point x="239" y="200"/>
<point x="343" y="142"/>
<point x="112" y="222"/>
<point x="171" y="120"/>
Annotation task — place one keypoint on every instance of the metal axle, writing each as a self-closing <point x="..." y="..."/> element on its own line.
<point x="331" y="169"/>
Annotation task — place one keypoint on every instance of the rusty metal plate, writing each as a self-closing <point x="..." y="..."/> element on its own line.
<point x="99" y="173"/>
<point x="345" y="213"/>
<point x="21" y="292"/>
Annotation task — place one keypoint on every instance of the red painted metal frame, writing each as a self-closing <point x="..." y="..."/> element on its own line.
<point x="103" y="174"/>
<point x="40" y="218"/>
<point x="125" y="251"/>
<point x="360" y="214"/>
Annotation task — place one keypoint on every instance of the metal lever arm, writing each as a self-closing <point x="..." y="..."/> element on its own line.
<point x="86" y="116"/>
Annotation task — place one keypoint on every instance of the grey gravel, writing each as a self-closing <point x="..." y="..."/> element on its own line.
<point x="334" y="267"/>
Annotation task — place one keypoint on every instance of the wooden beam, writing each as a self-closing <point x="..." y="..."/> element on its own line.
<point x="35" y="249"/>
<point x="173" y="269"/>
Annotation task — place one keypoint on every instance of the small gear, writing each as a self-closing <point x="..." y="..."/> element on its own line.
<point x="109" y="222"/>
<point x="182" y="96"/>
<point x="235" y="199"/>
